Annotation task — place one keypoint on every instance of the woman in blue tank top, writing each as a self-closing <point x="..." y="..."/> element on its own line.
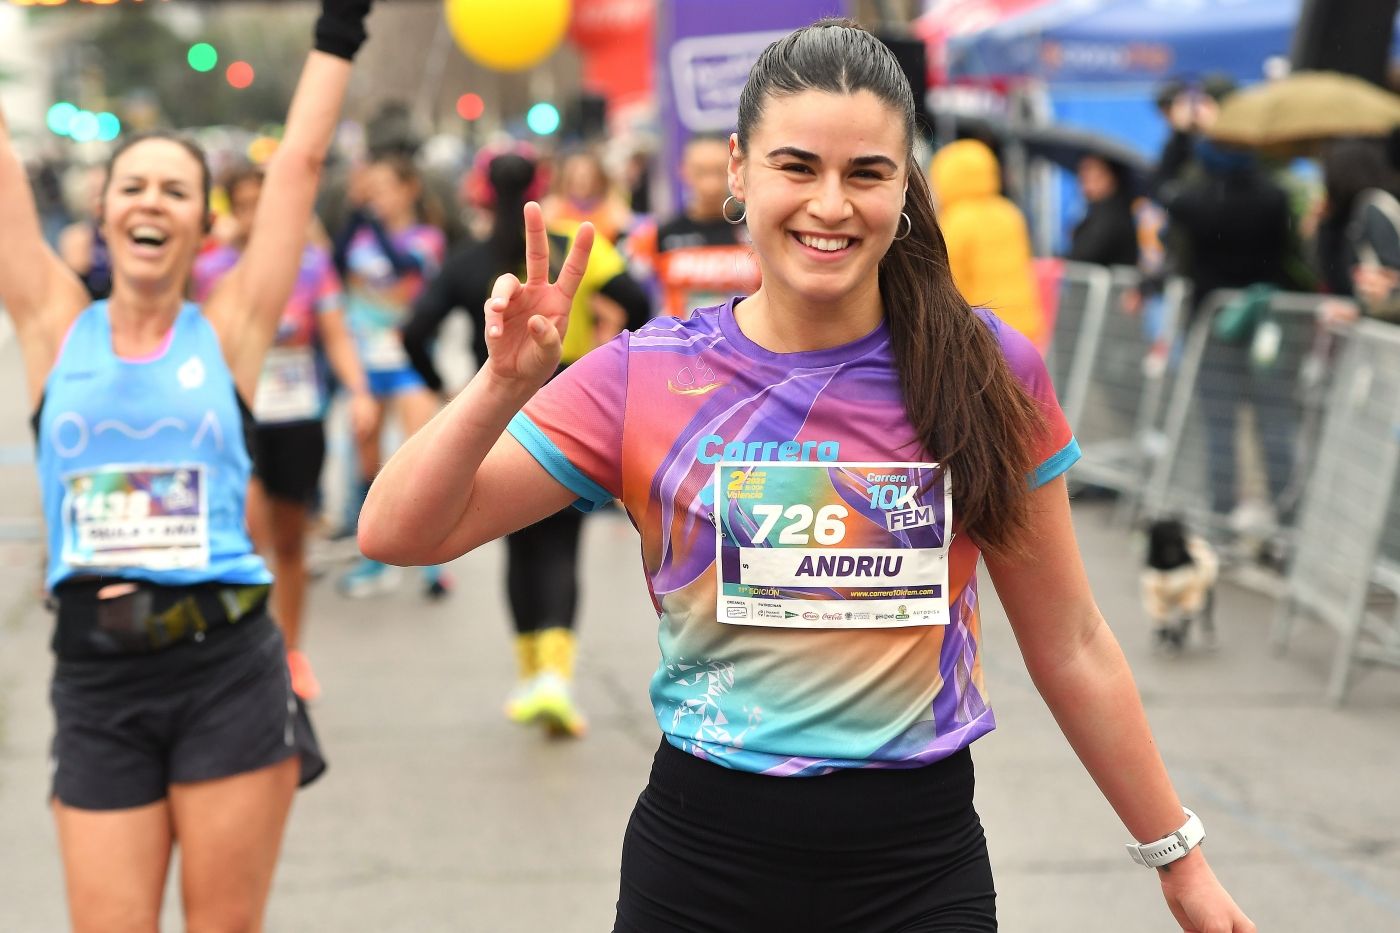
<point x="175" y="719"/>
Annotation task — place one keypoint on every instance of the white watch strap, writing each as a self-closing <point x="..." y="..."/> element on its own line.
<point x="1170" y="848"/>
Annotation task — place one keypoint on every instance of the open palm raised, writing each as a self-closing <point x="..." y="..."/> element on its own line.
<point x="525" y="322"/>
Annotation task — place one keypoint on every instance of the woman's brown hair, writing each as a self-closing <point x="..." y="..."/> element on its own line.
<point x="969" y="411"/>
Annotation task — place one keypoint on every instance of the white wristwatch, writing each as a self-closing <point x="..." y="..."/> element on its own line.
<point x="1169" y="848"/>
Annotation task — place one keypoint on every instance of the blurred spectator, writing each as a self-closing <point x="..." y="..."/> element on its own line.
<point x="1108" y="231"/>
<point x="699" y="258"/>
<point x="638" y="180"/>
<point x="1107" y="234"/>
<point x="1190" y="111"/>
<point x="1357" y="242"/>
<point x="583" y="191"/>
<point x="46" y="183"/>
<point x="81" y="244"/>
<point x="1235" y="221"/>
<point x="989" y="246"/>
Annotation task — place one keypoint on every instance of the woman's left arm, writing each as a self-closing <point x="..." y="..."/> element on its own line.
<point x="1081" y="673"/>
<point x="247" y="305"/>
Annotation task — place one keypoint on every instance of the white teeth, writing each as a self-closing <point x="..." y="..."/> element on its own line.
<point x="825" y="244"/>
<point x="146" y="232"/>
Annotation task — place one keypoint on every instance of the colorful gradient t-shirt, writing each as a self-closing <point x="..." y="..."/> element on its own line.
<point x="801" y="471"/>
<point x="378" y="298"/>
<point x="293" y="383"/>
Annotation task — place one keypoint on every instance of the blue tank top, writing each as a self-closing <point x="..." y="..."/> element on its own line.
<point x="143" y="465"/>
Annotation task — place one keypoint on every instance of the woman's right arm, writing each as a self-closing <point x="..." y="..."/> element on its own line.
<point x="459" y="482"/>
<point x="41" y="294"/>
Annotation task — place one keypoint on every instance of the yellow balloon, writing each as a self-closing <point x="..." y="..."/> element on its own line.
<point x="509" y="36"/>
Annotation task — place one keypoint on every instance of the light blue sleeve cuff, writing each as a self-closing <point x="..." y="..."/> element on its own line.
<point x="591" y="496"/>
<point x="1067" y="457"/>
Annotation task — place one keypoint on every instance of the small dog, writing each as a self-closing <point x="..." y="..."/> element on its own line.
<point x="1178" y="583"/>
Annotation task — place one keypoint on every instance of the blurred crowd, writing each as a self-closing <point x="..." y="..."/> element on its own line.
<point x="399" y="212"/>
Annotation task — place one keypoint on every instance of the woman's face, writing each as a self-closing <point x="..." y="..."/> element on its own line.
<point x="583" y="179"/>
<point x="1096" y="179"/>
<point x="823" y="182"/>
<point x="390" y="197"/>
<point x="153" y="212"/>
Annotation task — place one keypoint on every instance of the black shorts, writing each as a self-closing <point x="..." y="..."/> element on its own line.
<point x="712" y="850"/>
<point x="287" y="459"/>
<point x="128" y="727"/>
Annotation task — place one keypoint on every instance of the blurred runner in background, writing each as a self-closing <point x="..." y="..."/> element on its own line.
<point x="290" y="407"/>
<point x="542" y="561"/>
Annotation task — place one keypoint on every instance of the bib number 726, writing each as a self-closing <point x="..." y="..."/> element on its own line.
<point x="825" y="523"/>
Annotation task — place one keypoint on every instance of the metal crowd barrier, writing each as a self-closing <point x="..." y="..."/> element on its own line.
<point x="1124" y="378"/>
<point x="1084" y="294"/>
<point x="1226" y="480"/>
<point x="1344" y="571"/>
<point x="1111" y="371"/>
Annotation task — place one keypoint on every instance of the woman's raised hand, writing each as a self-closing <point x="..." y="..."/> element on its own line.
<point x="525" y="322"/>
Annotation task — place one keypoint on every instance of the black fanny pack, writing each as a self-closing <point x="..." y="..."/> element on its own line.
<point x="138" y="617"/>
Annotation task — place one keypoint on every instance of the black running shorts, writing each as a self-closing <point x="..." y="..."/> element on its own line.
<point x="287" y="459"/>
<point x="128" y="727"/>
<point x="713" y="850"/>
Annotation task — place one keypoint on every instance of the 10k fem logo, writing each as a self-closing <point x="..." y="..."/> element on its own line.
<point x="900" y="503"/>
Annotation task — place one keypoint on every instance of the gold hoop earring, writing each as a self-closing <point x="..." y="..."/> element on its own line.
<point x="908" y="228"/>
<point x="743" y="210"/>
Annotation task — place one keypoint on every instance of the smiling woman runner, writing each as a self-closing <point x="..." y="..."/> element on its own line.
<point x="820" y="676"/>
<point x="175" y="718"/>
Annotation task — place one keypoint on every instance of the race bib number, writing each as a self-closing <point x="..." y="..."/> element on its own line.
<point x="289" y="389"/>
<point x="384" y="351"/>
<point x="832" y="545"/>
<point x="133" y="516"/>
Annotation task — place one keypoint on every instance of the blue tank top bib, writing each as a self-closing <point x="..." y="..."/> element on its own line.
<point x="143" y="465"/>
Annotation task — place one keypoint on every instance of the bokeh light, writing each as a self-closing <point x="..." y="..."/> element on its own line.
<point x="470" y="106"/>
<point x="203" y="57"/>
<point x="240" y="75"/>
<point x="84" y="127"/>
<point x="108" y="127"/>
<point x="261" y="149"/>
<point x="60" y="117"/>
<point x="542" y="119"/>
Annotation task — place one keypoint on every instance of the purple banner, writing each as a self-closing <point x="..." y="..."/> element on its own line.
<point x="705" y="50"/>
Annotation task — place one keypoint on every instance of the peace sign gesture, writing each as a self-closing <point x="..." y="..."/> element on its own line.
<point x="525" y="322"/>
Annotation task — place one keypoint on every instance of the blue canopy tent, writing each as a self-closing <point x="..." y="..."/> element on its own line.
<point x="1136" y="41"/>
<point x="1096" y="64"/>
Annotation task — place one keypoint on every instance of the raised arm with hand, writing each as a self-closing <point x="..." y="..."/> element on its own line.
<point x="459" y="483"/>
<point x="247" y="305"/>
<point x="40" y="293"/>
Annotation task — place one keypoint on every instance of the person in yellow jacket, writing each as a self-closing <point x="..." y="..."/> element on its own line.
<point x="989" y="246"/>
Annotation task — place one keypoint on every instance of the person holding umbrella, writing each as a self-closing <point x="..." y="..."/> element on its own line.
<point x="1107" y="234"/>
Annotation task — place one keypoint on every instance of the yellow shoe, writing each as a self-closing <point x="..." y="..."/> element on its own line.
<point x="527" y="662"/>
<point x="552" y="702"/>
<point x="520" y="706"/>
